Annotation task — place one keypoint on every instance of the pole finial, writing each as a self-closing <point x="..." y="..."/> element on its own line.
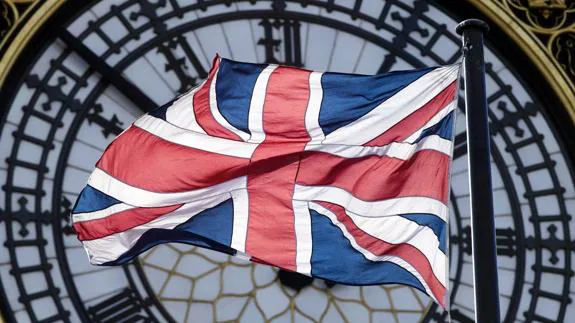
<point x="472" y="24"/>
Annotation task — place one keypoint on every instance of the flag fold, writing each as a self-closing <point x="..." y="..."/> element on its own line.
<point x="338" y="176"/>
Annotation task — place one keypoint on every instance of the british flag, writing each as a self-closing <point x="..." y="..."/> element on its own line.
<point x="338" y="176"/>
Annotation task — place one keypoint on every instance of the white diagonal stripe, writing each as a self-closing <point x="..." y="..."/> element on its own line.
<point x="176" y="135"/>
<point x="396" y="230"/>
<point x="111" y="247"/>
<point x="100" y="214"/>
<point x="394" y="206"/>
<point x="396" y="108"/>
<point x="131" y="195"/>
<point x="369" y="255"/>
<point x="181" y="112"/>
<point x="400" y="150"/>
<point x="433" y="121"/>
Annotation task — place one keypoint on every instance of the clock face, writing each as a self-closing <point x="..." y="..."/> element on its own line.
<point x="104" y="64"/>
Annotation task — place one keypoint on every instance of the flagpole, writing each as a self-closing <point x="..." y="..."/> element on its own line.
<point x="481" y="198"/>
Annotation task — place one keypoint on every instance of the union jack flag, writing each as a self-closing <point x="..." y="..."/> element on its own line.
<point x="338" y="176"/>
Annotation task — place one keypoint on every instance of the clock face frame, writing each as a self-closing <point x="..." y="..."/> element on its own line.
<point x="112" y="61"/>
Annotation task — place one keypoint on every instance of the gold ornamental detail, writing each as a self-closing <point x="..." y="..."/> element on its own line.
<point x="545" y="31"/>
<point x="21" y="19"/>
<point x="553" y="23"/>
<point x="13" y="13"/>
<point x="8" y="17"/>
<point x="543" y="16"/>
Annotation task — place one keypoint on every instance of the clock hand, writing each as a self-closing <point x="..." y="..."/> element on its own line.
<point x="127" y="88"/>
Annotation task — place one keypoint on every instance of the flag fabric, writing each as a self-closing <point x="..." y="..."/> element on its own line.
<point x="338" y="176"/>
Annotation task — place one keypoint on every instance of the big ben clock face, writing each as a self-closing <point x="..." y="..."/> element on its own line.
<point x="102" y="64"/>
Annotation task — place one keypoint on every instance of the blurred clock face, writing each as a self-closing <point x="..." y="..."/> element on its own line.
<point x="112" y="61"/>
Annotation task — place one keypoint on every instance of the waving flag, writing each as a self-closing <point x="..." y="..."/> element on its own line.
<point x="338" y="176"/>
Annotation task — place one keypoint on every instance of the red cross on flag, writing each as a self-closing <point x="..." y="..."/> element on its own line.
<point x="338" y="176"/>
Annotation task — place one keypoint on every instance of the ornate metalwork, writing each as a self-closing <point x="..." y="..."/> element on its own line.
<point x="13" y="14"/>
<point x="8" y="17"/>
<point x="551" y="243"/>
<point x="552" y="22"/>
<point x="562" y="45"/>
<point x="109" y="127"/>
<point x="174" y="64"/>
<point x="548" y="14"/>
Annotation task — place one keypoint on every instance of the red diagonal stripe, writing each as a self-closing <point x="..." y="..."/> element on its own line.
<point x="378" y="247"/>
<point x="202" y="111"/>
<point x="143" y="160"/>
<point x="271" y="179"/>
<point x="376" y="178"/>
<point x="120" y="222"/>
<point x="417" y="119"/>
